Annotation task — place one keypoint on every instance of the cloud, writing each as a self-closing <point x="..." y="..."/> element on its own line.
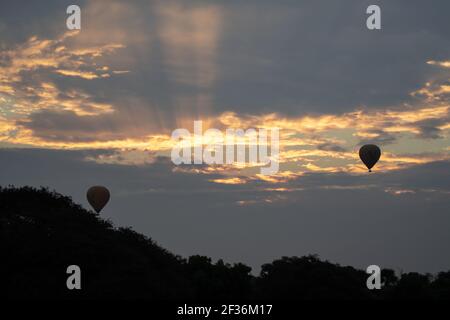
<point x="308" y="142"/>
<point x="137" y="71"/>
<point x="331" y="63"/>
<point x="229" y="181"/>
<point x="431" y="129"/>
<point x="445" y="64"/>
<point x="27" y="76"/>
<point x="189" y="57"/>
<point x="190" y="36"/>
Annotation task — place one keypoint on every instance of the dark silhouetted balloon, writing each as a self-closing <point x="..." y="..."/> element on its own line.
<point x="369" y="154"/>
<point x="98" y="197"/>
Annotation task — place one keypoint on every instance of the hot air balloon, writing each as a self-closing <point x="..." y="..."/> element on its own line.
<point x="369" y="154"/>
<point x="98" y="197"/>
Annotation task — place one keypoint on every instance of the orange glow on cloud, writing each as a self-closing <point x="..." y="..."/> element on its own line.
<point x="229" y="181"/>
<point x="314" y="143"/>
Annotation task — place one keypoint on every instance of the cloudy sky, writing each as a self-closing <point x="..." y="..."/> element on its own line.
<point x="99" y="105"/>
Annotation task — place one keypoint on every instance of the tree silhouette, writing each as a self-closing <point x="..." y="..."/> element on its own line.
<point x="43" y="232"/>
<point x="293" y="278"/>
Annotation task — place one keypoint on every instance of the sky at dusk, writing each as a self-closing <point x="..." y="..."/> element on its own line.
<point x="98" y="106"/>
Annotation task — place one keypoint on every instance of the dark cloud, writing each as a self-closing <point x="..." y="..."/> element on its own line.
<point x="318" y="55"/>
<point x="21" y="19"/>
<point x="67" y="126"/>
<point x="329" y="146"/>
<point x="382" y="138"/>
<point x="295" y="56"/>
<point x="433" y="175"/>
<point x="429" y="129"/>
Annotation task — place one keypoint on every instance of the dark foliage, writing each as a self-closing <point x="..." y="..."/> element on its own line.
<point x="310" y="278"/>
<point x="43" y="232"/>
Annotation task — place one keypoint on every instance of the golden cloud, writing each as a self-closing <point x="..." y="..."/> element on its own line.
<point x="34" y="58"/>
<point x="315" y="143"/>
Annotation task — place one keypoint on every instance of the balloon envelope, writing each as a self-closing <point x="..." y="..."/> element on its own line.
<point x="369" y="154"/>
<point x="98" y="197"/>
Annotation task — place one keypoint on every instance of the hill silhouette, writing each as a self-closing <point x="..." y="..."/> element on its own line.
<point x="43" y="232"/>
